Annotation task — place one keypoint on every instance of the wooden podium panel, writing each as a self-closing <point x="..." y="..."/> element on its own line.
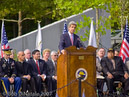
<point x="67" y="66"/>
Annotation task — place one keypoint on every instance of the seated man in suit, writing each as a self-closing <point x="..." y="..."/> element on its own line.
<point x="24" y="71"/>
<point x="127" y="63"/>
<point x="51" y="68"/>
<point x="115" y="70"/>
<point x="8" y="73"/>
<point x="54" y="57"/>
<point x="39" y="70"/>
<point x="116" y="53"/>
<point x="99" y="73"/>
<point x="69" y="39"/>
<point x="53" y="73"/>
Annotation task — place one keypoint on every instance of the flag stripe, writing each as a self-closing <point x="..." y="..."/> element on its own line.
<point x="124" y="50"/>
<point x="4" y="39"/>
<point x="126" y="44"/>
<point x="123" y="54"/>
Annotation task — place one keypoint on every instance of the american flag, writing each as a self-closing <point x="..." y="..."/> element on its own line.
<point x="124" y="50"/>
<point x="65" y="30"/>
<point x="4" y="39"/>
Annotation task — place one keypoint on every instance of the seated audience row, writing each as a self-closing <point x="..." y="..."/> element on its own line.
<point x="29" y="73"/>
<point x="110" y="69"/>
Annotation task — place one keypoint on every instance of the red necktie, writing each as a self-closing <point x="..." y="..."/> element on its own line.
<point x="71" y="37"/>
<point x="38" y="67"/>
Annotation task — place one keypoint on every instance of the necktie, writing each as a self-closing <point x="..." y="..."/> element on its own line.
<point x="113" y="62"/>
<point x="55" y="68"/>
<point x="38" y="67"/>
<point x="71" y="37"/>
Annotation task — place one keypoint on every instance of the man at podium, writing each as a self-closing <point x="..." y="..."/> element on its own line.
<point x="69" y="39"/>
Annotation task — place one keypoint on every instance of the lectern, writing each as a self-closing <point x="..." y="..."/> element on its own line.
<point x="70" y="65"/>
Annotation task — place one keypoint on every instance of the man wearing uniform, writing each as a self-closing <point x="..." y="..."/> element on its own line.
<point x="8" y="73"/>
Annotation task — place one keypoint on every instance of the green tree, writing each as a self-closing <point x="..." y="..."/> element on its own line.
<point x="65" y="8"/>
<point x="118" y="9"/>
<point x="25" y="10"/>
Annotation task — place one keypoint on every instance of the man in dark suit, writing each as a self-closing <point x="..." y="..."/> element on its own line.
<point x="69" y="39"/>
<point x="115" y="70"/>
<point x="127" y="63"/>
<point x="53" y="71"/>
<point x="53" y="67"/>
<point x="39" y="69"/>
<point x="8" y="73"/>
<point x="24" y="71"/>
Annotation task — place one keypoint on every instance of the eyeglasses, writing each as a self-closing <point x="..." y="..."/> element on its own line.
<point x="56" y="55"/>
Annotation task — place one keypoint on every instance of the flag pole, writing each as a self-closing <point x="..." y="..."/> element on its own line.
<point x="39" y="22"/>
<point x="39" y="39"/>
<point x="66" y="19"/>
<point x="1" y="37"/>
<point x="1" y="29"/>
<point x="79" y="84"/>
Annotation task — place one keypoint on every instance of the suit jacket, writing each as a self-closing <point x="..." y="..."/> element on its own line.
<point x="107" y="66"/>
<point x="127" y="63"/>
<point x="42" y="67"/>
<point x="51" y="71"/>
<point x="23" y="69"/>
<point x="99" y="72"/>
<point x="65" y="41"/>
<point x="7" y="69"/>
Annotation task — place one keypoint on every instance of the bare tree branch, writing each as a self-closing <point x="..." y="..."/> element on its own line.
<point x="48" y="13"/>
<point x="27" y="19"/>
<point x="9" y="20"/>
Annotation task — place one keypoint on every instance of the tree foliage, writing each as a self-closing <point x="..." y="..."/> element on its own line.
<point x="116" y="8"/>
<point x="119" y="9"/>
<point x="65" y="8"/>
<point x="25" y="10"/>
<point x="29" y="8"/>
<point x="58" y="9"/>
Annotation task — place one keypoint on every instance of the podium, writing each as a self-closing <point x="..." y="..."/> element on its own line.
<point x="70" y="65"/>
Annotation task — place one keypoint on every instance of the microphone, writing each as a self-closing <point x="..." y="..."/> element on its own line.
<point x="82" y="44"/>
